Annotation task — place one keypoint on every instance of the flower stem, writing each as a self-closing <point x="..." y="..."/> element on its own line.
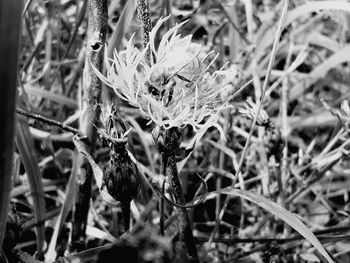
<point x="126" y="215"/>
<point x="185" y="225"/>
<point x="143" y="14"/>
<point x="161" y="203"/>
<point x="96" y="35"/>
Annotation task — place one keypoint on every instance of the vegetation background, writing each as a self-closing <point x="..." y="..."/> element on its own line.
<point x="278" y="186"/>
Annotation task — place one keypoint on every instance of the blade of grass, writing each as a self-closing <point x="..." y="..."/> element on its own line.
<point x="283" y="214"/>
<point x="50" y="96"/>
<point x="66" y="207"/>
<point x="259" y="104"/>
<point x="25" y="145"/>
<point x="10" y="28"/>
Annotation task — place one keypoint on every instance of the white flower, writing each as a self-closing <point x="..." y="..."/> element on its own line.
<point x="176" y="89"/>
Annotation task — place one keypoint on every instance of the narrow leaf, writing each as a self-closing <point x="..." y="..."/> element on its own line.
<point x="67" y="206"/>
<point x="283" y="214"/>
<point x="25" y="145"/>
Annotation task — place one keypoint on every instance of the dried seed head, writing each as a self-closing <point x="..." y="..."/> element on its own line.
<point x="166" y="140"/>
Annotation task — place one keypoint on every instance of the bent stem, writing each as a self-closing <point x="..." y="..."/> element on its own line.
<point x="185" y="225"/>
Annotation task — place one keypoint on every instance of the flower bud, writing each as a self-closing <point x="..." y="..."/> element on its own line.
<point x="166" y="140"/>
<point x="121" y="177"/>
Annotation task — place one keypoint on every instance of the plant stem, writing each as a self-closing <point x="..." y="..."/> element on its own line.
<point x="143" y="14"/>
<point x="96" y="35"/>
<point x="185" y="225"/>
<point x="259" y="105"/>
<point x="10" y="30"/>
<point x="49" y="121"/>
<point x="161" y="203"/>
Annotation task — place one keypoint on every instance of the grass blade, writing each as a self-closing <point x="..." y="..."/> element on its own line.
<point x="283" y="214"/>
<point x="67" y="206"/>
<point x="25" y="145"/>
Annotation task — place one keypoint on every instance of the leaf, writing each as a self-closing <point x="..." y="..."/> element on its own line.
<point x="182" y="153"/>
<point x="51" y="96"/>
<point x="98" y="173"/>
<point x="308" y="257"/>
<point x="25" y="145"/>
<point x="283" y="214"/>
<point x="67" y="206"/>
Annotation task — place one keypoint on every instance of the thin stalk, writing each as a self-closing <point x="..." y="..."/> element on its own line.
<point x="96" y="36"/>
<point x="185" y="225"/>
<point x="10" y="31"/>
<point x="48" y="121"/>
<point x="260" y="102"/>
<point x="284" y="109"/>
<point x="161" y="203"/>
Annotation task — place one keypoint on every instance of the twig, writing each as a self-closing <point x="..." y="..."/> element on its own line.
<point x="96" y="36"/>
<point x="49" y="121"/>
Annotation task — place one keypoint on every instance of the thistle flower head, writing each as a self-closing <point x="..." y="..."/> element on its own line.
<point x="175" y="89"/>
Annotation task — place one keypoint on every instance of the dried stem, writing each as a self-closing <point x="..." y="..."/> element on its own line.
<point x="96" y="35"/>
<point x="10" y="30"/>
<point x="185" y="225"/>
